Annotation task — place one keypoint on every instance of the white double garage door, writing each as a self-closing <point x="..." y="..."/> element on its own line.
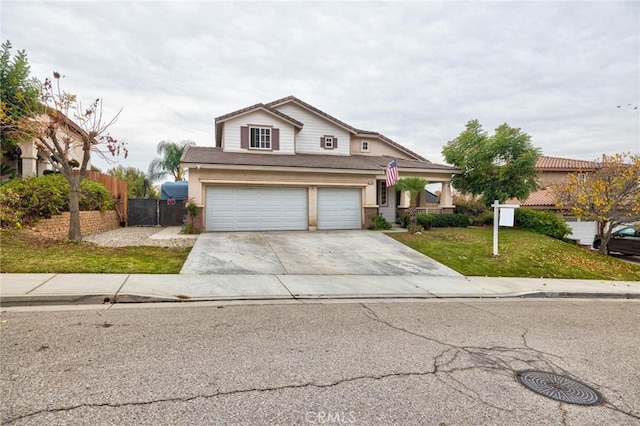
<point x="272" y="209"/>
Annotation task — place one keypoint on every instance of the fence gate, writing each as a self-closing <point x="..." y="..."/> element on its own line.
<point x="142" y="212"/>
<point x="150" y="212"/>
<point x="172" y="214"/>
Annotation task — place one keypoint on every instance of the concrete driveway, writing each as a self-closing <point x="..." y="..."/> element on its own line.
<point x="307" y="253"/>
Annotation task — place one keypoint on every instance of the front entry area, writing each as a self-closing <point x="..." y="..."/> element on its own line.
<point x="256" y="209"/>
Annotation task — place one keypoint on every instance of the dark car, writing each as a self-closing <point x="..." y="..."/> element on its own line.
<point x="625" y="241"/>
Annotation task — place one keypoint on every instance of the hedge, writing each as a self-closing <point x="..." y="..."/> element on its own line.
<point x="22" y="201"/>
<point x="438" y="220"/>
<point x="543" y="222"/>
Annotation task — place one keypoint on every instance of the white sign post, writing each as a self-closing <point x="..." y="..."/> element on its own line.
<point x="503" y="215"/>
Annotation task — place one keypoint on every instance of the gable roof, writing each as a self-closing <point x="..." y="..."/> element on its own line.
<point x="313" y="109"/>
<point x="200" y="155"/>
<point x="262" y="107"/>
<point x="339" y="123"/>
<point x="558" y="164"/>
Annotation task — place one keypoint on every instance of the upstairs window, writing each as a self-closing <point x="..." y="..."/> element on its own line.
<point x="328" y="142"/>
<point x="364" y="146"/>
<point x="260" y="138"/>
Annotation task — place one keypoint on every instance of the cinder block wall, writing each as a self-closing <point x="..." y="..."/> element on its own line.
<point x="90" y="223"/>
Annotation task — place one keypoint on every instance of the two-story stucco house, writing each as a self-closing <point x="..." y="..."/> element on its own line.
<point x="287" y="165"/>
<point x="553" y="171"/>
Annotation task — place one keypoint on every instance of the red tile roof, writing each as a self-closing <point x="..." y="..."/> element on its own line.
<point x="539" y="198"/>
<point x="564" y="164"/>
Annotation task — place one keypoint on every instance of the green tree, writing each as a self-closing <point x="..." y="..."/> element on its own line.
<point x="495" y="167"/>
<point x="414" y="186"/>
<point x="138" y="185"/>
<point x="610" y="195"/>
<point x="169" y="163"/>
<point x="19" y="94"/>
<point x="57" y="136"/>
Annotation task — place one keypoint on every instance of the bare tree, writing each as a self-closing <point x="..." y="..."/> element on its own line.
<point x="61" y="140"/>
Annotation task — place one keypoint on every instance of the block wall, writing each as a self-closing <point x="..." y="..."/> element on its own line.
<point x="90" y="223"/>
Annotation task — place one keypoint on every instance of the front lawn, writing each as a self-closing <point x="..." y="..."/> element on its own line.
<point x="22" y="252"/>
<point x="522" y="254"/>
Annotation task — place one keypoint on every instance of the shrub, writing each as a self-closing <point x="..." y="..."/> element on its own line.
<point x="94" y="196"/>
<point x="450" y="221"/>
<point x="473" y="208"/>
<point x="404" y="220"/>
<point x="438" y="220"/>
<point x="379" y="223"/>
<point x="485" y="218"/>
<point x="543" y="222"/>
<point x="25" y="200"/>
<point x="33" y="198"/>
<point x="425" y="221"/>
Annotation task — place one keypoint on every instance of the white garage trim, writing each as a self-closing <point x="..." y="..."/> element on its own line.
<point x="339" y="208"/>
<point x="255" y="209"/>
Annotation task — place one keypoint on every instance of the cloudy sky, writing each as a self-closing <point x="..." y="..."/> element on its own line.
<point x="416" y="72"/>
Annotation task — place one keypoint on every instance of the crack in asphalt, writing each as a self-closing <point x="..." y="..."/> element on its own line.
<point x="498" y="359"/>
<point x="220" y="394"/>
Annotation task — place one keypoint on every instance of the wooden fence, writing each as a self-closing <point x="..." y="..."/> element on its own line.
<point x="117" y="188"/>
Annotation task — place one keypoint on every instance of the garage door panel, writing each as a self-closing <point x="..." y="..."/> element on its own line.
<point x="339" y="208"/>
<point x="256" y="209"/>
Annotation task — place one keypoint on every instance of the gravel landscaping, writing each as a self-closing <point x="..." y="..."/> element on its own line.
<point x="141" y="236"/>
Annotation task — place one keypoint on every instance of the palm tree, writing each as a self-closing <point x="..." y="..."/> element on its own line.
<point x="169" y="163"/>
<point x="414" y="186"/>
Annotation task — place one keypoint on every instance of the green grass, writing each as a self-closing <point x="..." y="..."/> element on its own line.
<point x="22" y="252"/>
<point x="521" y="254"/>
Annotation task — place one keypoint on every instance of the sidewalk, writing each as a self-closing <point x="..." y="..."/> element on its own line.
<point x="44" y="289"/>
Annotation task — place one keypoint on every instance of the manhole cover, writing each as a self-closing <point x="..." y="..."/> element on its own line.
<point x="559" y="388"/>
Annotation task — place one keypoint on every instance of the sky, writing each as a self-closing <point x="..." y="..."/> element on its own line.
<point x="566" y="73"/>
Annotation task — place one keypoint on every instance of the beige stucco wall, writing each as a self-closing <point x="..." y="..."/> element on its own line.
<point x="198" y="179"/>
<point x="549" y="178"/>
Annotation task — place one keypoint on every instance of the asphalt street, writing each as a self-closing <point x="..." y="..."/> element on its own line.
<point x="436" y="362"/>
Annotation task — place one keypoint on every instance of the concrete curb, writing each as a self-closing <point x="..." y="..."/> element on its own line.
<point x="52" y="300"/>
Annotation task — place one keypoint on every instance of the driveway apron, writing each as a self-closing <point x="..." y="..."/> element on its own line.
<point x="308" y="253"/>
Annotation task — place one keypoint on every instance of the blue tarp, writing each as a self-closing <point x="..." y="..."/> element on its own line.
<point x="174" y="190"/>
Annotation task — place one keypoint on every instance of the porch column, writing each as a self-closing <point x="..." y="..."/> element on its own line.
<point x="446" y="200"/>
<point x="29" y="158"/>
<point x="405" y="200"/>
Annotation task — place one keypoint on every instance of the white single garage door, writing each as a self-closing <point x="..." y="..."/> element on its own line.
<point x="583" y="231"/>
<point x="256" y="209"/>
<point x="339" y="208"/>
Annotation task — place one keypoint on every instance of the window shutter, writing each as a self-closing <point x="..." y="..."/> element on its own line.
<point x="321" y="141"/>
<point x="275" y="139"/>
<point x="244" y="137"/>
<point x="335" y="143"/>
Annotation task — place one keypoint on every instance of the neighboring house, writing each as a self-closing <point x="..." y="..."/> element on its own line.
<point x="554" y="170"/>
<point x="286" y="165"/>
<point x="30" y="161"/>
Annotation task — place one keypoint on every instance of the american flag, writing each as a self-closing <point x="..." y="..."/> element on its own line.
<point x="391" y="173"/>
